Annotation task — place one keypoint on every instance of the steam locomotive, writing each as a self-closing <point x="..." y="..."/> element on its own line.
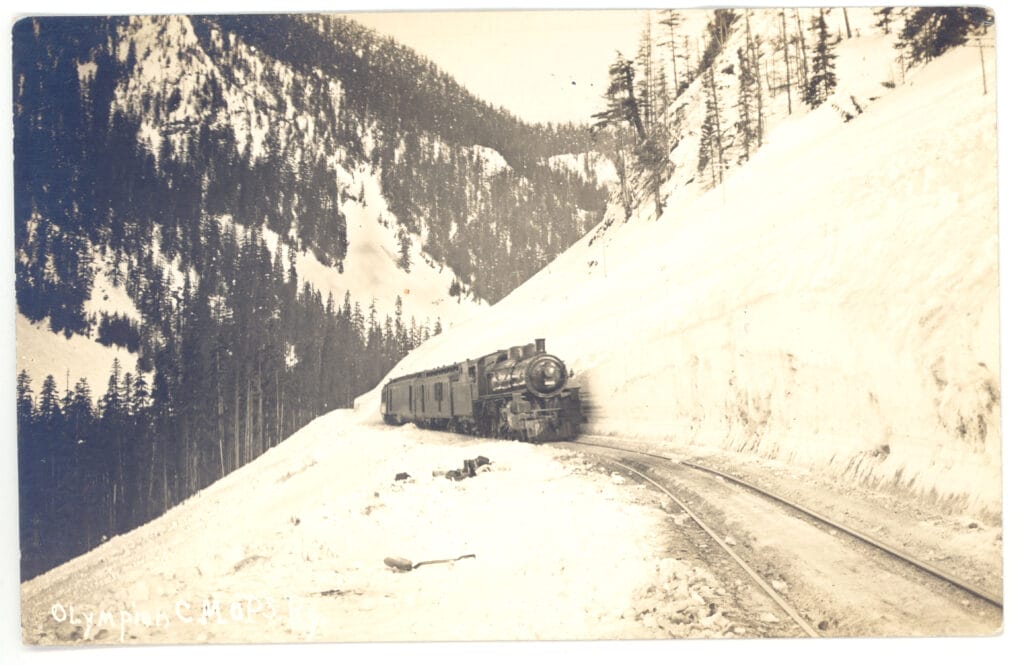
<point x="515" y="393"/>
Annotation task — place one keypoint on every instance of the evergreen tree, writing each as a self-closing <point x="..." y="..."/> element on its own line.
<point x="49" y="402"/>
<point x="26" y="403"/>
<point x="822" y="82"/>
<point x="928" y="32"/>
<point x="801" y="42"/>
<point x="746" y="122"/>
<point x="126" y="392"/>
<point x="710" y="152"/>
<point x="785" y="56"/>
<point x="652" y="156"/>
<point x="110" y="403"/>
<point x="621" y="99"/>
<point x="753" y="65"/>
<point x="81" y="413"/>
<point x="717" y="30"/>
<point x="646" y="97"/>
<point x="884" y="16"/>
<point x="401" y="334"/>
<point x="404" y="247"/>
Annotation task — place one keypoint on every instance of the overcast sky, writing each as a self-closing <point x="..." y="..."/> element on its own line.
<point x="541" y="65"/>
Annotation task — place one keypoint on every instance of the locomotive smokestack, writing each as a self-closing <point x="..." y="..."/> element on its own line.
<point x="539" y="343"/>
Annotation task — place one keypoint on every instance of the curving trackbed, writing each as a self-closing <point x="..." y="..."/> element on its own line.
<point x="828" y="578"/>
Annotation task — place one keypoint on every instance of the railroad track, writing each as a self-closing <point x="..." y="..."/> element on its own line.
<point x="652" y="469"/>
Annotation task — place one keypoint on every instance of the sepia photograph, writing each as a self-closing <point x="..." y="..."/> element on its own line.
<point x="493" y="325"/>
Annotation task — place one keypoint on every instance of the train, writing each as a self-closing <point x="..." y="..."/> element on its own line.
<point x="522" y="393"/>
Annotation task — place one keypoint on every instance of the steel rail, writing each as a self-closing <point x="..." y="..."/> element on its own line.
<point x="760" y="581"/>
<point x="983" y="594"/>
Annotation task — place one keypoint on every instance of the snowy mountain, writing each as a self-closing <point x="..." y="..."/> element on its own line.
<point x="264" y="133"/>
<point x="832" y="303"/>
<point x="228" y="225"/>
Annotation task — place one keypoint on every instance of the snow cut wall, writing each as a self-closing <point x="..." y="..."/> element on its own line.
<point x="833" y="305"/>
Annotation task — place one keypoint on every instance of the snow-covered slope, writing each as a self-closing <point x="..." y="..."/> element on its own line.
<point x="41" y="352"/>
<point x="586" y="163"/>
<point x="166" y="91"/>
<point x="292" y="547"/>
<point x="834" y="304"/>
<point x="371" y="264"/>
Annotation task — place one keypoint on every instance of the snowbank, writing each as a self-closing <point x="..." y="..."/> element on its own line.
<point x="834" y="304"/>
<point x="292" y="547"/>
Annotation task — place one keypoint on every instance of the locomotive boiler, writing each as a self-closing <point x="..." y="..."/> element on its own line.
<point x="519" y="393"/>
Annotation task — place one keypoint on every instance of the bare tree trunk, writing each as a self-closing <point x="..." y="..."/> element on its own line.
<point x="657" y="193"/>
<point x="261" y="444"/>
<point x="238" y="455"/>
<point x="785" y="54"/>
<point x="248" y="420"/>
<point x="163" y="473"/>
<point x="220" y="431"/>
<point x="151" y="490"/>
<point x="627" y="203"/>
<point x="754" y="55"/>
<point x="803" y="48"/>
<point x="846" y="17"/>
<point x="119" y="484"/>
<point x="720" y="151"/>
<point x="672" y="47"/>
<point x="646" y="61"/>
<point x="111" y="508"/>
<point x="220" y="421"/>
<point x="686" y="55"/>
<point x="186" y="467"/>
<point x="984" y="78"/>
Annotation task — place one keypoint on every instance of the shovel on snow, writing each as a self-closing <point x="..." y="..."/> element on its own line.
<point x="404" y="565"/>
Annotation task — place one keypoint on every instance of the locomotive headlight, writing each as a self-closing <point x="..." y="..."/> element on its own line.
<point x="546" y="376"/>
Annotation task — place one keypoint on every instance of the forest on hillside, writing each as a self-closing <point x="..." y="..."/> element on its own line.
<point x="710" y="94"/>
<point x="493" y="229"/>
